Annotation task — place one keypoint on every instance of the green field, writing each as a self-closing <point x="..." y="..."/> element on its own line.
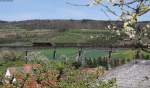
<point x="73" y="52"/>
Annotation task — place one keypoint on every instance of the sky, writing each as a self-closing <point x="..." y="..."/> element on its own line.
<point x="16" y="10"/>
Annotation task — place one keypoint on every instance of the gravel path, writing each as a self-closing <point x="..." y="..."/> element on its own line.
<point x="135" y="74"/>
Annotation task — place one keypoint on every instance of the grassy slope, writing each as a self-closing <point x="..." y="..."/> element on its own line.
<point x="74" y="35"/>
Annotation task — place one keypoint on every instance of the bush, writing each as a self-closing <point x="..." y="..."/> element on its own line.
<point x="76" y="64"/>
<point x="77" y="79"/>
<point x="8" y="55"/>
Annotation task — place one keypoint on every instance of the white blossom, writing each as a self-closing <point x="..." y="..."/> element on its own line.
<point x="118" y="32"/>
<point x="109" y="26"/>
<point x="91" y="37"/>
<point x="145" y="34"/>
<point x="148" y="26"/>
<point x="130" y="32"/>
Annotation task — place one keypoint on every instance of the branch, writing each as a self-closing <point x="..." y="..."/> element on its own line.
<point x="89" y="5"/>
<point x="77" y="4"/>
<point x="106" y="14"/>
<point x="109" y="10"/>
<point x="128" y="3"/>
<point x="145" y="50"/>
<point x="144" y="12"/>
<point x="130" y="7"/>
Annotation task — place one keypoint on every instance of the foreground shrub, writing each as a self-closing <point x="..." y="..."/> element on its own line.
<point x="78" y="79"/>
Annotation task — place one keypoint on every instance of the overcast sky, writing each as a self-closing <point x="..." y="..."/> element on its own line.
<point x="51" y="9"/>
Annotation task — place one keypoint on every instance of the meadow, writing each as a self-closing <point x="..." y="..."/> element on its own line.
<point x="23" y="36"/>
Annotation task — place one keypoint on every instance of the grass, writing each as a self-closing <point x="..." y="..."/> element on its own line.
<point x="11" y="59"/>
<point x="71" y="53"/>
<point x="124" y="54"/>
<point x="84" y="36"/>
<point x="88" y="31"/>
<point x="59" y="52"/>
<point x="94" y="53"/>
<point x="5" y="64"/>
<point x="127" y="54"/>
<point x="68" y="36"/>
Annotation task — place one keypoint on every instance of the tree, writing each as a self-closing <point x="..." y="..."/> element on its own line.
<point x="128" y="11"/>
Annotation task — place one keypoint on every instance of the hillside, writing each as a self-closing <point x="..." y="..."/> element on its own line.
<point x="58" y="24"/>
<point x="62" y="24"/>
<point x="85" y="31"/>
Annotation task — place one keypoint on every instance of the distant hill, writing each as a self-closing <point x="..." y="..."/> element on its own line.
<point x="62" y="24"/>
<point x="3" y="21"/>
